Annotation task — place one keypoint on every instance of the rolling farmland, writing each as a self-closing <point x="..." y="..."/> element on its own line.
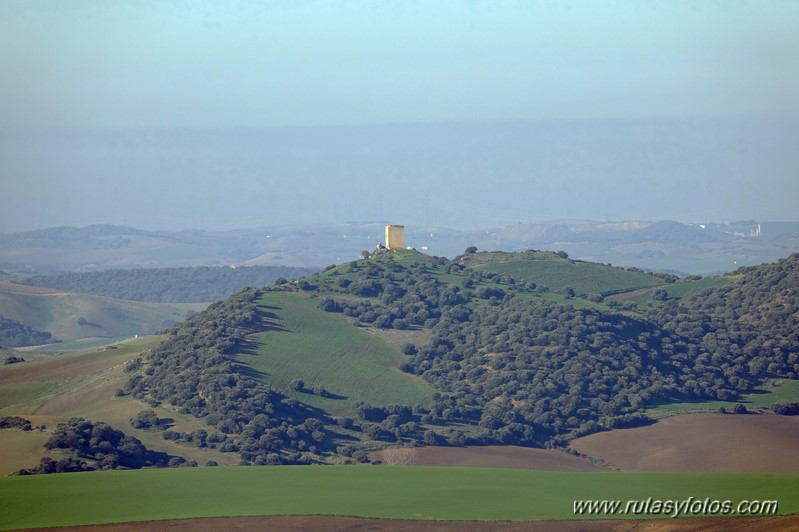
<point x="417" y="493"/>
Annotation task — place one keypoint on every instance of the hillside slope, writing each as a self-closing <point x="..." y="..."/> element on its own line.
<point x="72" y="316"/>
<point x="557" y="272"/>
<point x="508" y="363"/>
<point x="338" y="364"/>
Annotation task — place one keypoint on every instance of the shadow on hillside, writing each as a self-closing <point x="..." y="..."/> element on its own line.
<point x="341" y="437"/>
<point x="243" y="368"/>
<point x="247" y="346"/>
<point x="331" y="395"/>
<point x="271" y="321"/>
<point x="327" y="394"/>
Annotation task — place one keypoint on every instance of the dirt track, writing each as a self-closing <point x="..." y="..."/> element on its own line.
<point x="332" y="524"/>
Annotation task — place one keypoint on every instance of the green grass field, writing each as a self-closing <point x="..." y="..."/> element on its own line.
<point x="678" y="290"/>
<point x="778" y="391"/>
<point x="556" y="273"/>
<point x="78" y="345"/>
<point x="424" y="493"/>
<point x="324" y="350"/>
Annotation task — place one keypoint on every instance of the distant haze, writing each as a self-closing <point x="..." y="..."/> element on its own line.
<point x="462" y="175"/>
<point x="462" y="114"/>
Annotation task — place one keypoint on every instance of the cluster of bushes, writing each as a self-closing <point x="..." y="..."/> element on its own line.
<point x="94" y="446"/>
<point x="148" y="420"/>
<point x="15" y="422"/>
<point x="786" y="409"/>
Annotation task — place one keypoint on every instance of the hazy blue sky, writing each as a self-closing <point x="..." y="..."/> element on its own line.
<point x="657" y="74"/>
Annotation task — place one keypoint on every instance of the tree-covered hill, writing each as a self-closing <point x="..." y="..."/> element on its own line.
<point x="169" y="285"/>
<point x="509" y="362"/>
<point x="16" y="334"/>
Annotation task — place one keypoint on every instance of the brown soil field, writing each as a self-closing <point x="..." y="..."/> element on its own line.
<point x="341" y="524"/>
<point x="508" y="456"/>
<point x="763" y="443"/>
<point x="630" y="294"/>
<point x="66" y="366"/>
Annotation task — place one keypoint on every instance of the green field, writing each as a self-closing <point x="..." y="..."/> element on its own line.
<point x="423" y="493"/>
<point x="778" y="391"/>
<point x="324" y="350"/>
<point x="77" y="345"/>
<point x="688" y="288"/>
<point x="555" y="273"/>
<point x="678" y="290"/>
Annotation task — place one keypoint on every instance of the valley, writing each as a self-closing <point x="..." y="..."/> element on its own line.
<point x="72" y="316"/>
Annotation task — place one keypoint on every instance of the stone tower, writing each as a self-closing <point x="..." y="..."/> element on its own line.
<point x="395" y="236"/>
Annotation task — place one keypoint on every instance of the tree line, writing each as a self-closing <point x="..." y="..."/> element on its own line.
<point x="169" y="285"/>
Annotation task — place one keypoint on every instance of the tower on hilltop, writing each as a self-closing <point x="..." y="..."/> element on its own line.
<point x="395" y="236"/>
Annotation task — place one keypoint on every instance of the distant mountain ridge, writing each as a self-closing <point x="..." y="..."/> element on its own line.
<point x="662" y="246"/>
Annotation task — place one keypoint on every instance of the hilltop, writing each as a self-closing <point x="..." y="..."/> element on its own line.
<point x="408" y="348"/>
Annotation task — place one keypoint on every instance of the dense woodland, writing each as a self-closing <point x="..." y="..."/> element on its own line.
<point x="509" y="365"/>
<point x="16" y="334"/>
<point x="169" y="285"/>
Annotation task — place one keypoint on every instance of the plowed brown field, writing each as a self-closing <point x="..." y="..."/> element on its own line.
<point x="510" y="456"/>
<point x="762" y="443"/>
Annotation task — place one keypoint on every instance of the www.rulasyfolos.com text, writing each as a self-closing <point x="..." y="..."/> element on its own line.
<point x="690" y="506"/>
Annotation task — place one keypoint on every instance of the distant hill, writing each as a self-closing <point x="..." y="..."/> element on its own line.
<point x="658" y="246"/>
<point x="68" y="316"/>
<point x="169" y="285"/>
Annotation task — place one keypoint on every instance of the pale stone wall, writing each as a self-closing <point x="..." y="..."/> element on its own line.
<point x="395" y="236"/>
